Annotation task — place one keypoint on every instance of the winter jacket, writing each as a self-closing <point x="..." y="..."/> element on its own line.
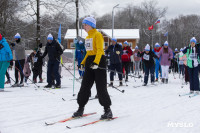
<point x="148" y="58"/>
<point x="136" y="58"/>
<point x="5" y="51"/>
<point x="26" y="70"/>
<point x="53" y="50"/>
<point x="192" y="56"/>
<point x="156" y="51"/>
<point x="19" y="51"/>
<point x="80" y="51"/>
<point x="127" y="52"/>
<point x="165" y="57"/>
<point x="94" y="43"/>
<point x="114" y="57"/>
<point x="36" y="59"/>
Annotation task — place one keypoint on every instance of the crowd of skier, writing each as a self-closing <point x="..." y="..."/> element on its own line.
<point x="94" y="61"/>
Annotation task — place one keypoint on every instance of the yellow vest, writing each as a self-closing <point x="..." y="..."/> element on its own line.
<point x="94" y="46"/>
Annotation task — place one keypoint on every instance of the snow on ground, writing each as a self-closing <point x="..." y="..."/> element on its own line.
<point x="150" y="109"/>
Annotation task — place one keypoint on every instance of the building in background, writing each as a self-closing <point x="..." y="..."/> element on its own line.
<point x="132" y="36"/>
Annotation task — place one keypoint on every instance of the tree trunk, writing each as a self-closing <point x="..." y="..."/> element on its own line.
<point x="77" y="18"/>
<point x="38" y="23"/>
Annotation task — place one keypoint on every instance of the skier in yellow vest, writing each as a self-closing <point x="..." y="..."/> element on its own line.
<point x="94" y="58"/>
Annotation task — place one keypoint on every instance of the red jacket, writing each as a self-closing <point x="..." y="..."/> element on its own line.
<point x="127" y="52"/>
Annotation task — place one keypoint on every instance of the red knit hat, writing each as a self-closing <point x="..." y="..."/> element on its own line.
<point x="0" y="36"/>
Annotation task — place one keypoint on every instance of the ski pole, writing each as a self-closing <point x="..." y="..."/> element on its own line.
<point x="122" y="91"/>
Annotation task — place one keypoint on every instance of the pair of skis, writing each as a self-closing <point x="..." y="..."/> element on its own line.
<point x="73" y="118"/>
<point x="189" y="94"/>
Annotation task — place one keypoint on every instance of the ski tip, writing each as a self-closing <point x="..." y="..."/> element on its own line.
<point x="68" y="127"/>
<point x="63" y="99"/>
<point x="123" y="91"/>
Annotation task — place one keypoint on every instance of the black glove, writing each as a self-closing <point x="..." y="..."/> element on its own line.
<point x="94" y="65"/>
<point x="40" y="45"/>
<point x="12" y="44"/>
<point x="127" y="52"/>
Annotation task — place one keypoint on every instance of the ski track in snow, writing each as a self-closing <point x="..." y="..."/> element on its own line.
<point x="146" y="109"/>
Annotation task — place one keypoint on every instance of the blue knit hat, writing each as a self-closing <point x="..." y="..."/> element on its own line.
<point x="136" y="47"/>
<point x="17" y="36"/>
<point x="50" y="37"/>
<point x="193" y="40"/>
<point x="114" y="39"/>
<point x="176" y="49"/>
<point x="181" y="49"/>
<point x="166" y="43"/>
<point x="157" y="45"/>
<point x="90" y="21"/>
<point x="126" y="42"/>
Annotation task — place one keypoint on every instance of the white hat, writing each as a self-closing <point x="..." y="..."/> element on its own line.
<point x="166" y="43"/>
<point x="50" y="37"/>
<point x="147" y="47"/>
<point x="17" y="35"/>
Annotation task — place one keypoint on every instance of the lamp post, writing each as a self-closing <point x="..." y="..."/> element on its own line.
<point x="113" y="18"/>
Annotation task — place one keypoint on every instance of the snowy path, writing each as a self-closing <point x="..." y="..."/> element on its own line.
<point x="140" y="110"/>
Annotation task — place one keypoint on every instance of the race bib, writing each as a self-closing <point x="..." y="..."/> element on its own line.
<point x="35" y="59"/>
<point x="146" y="57"/>
<point x="193" y="56"/>
<point x="135" y="54"/>
<point x="89" y="44"/>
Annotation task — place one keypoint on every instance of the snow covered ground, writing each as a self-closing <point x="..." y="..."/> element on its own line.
<point x="150" y="109"/>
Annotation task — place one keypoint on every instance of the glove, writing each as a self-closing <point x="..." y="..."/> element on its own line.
<point x="127" y="52"/>
<point x="40" y="45"/>
<point x="81" y="67"/>
<point x="12" y="44"/>
<point x="94" y="65"/>
<point x="118" y="52"/>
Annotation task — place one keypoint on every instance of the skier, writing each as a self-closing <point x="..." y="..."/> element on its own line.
<point x="127" y="52"/>
<point x="19" y="58"/>
<point x="176" y="52"/>
<point x="166" y="56"/>
<point x="181" y="62"/>
<point x="148" y="56"/>
<point x="193" y="52"/>
<point x="156" y="50"/>
<point x="54" y="51"/>
<point x="7" y="73"/>
<point x="37" y="65"/>
<point x="80" y="54"/>
<point x="5" y="58"/>
<point x="137" y="61"/>
<point x="26" y="70"/>
<point x="115" y="52"/>
<point x="95" y="70"/>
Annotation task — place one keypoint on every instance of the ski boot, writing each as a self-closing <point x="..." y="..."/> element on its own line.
<point x="145" y="84"/>
<point x="15" y="85"/>
<point x="107" y="114"/>
<point x="156" y="80"/>
<point x="7" y="82"/>
<point x="163" y="80"/>
<point x="48" y="86"/>
<point x="166" y="81"/>
<point x="21" y="85"/>
<point x="41" y="80"/>
<point x="111" y="84"/>
<point x="34" y="81"/>
<point x="78" y="113"/>
<point x="57" y="86"/>
<point x="120" y="83"/>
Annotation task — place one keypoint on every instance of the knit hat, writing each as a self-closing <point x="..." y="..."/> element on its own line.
<point x="120" y="44"/>
<point x="147" y="47"/>
<point x="114" y="39"/>
<point x="176" y="49"/>
<point x="0" y="36"/>
<point x="166" y="43"/>
<point x="136" y="47"/>
<point x="157" y="45"/>
<point x="193" y="40"/>
<point x="50" y="37"/>
<point x="126" y="42"/>
<point x="17" y="36"/>
<point x="89" y="21"/>
<point x="80" y="42"/>
<point x="181" y="49"/>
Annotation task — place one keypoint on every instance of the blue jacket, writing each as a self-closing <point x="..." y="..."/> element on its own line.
<point x="5" y="51"/>
<point x="80" y="51"/>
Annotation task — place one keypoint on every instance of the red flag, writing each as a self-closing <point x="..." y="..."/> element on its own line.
<point x="151" y="27"/>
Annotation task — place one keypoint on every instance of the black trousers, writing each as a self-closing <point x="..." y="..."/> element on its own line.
<point x="7" y="75"/>
<point x="126" y="66"/>
<point x="37" y="72"/>
<point x="118" y="68"/>
<point x="100" y="78"/>
<point x="19" y="66"/>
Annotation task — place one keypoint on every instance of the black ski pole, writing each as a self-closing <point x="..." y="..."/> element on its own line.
<point x="122" y="91"/>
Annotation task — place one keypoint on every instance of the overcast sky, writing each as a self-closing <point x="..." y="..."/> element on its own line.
<point x="175" y="7"/>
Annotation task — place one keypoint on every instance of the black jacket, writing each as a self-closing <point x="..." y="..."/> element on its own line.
<point x="111" y="51"/>
<point x="148" y="58"/>
<point x="36" y="59"/>
<point x="53" y="50"/>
